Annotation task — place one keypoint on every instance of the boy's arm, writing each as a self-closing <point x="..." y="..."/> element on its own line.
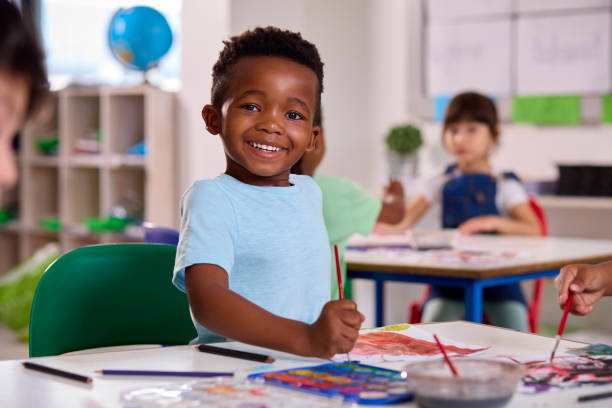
<point x="522" y="221"/>
<point x="414" y="210"/>
<point x="393" y="204"/>
<point x="588" y="282"/>
<point x="230" y="315"/>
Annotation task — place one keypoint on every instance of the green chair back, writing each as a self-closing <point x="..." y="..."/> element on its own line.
<point x="109" y="295"/>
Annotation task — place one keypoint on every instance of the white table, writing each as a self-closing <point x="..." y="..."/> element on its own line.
<point x="538" y="258"/>
<point x="27" y="388"/>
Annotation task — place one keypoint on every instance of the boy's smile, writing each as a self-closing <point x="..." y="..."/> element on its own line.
<point x="266" y="118"/>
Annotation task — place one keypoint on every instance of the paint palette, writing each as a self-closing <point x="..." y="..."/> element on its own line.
<point x="352" y="381"/>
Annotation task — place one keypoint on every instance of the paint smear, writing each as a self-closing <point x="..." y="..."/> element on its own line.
<point x="396" y="344"/>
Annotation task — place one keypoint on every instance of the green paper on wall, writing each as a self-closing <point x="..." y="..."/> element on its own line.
<point x="547" y="110"/>
<point x="606" y="109"/>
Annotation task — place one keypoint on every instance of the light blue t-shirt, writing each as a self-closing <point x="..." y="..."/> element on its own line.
<point x="271" y="241"/>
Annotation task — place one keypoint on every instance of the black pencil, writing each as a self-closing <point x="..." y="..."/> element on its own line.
<point x="245" y="355"/>
<point x="592" y="397"/>
<point x="55" y="371"/>
<point x="167" y="373"/>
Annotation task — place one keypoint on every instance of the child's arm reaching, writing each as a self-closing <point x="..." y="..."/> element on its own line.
<point x="230" y="315"/>
<point x="522" y="221"/>
<point x="588" y="282"/>
<point x="393" y="205"/>
<point x="414" y="210"/>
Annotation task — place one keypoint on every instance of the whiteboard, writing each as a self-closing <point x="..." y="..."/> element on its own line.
<point x="457" y="9"/>
<point x="547" y="5"/>
<point x="559" y="54"/>
<point x="471" y="55"/>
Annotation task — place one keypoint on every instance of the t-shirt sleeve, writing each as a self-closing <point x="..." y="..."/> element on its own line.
<point x="208" y="230"/>
<point x="432" y="188"/>
<point x="512" y="193"/>
<point x="347" y="208"/>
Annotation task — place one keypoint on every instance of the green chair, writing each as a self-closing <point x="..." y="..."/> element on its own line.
<point x="109" y="295"/>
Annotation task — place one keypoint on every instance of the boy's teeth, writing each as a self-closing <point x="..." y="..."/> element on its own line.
<point x="266" y="147"/>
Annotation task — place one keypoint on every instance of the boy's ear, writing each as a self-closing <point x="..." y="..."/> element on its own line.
<point x="315" y="133"/>
<point x="212" y="118"/>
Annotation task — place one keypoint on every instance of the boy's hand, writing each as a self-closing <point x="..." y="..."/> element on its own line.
<point x="394" y="191"/>
<point x="336" y="330"/>
<point x="588" y="282"/>
<point x="484" y="223"/>
<point x="393" y="205"/>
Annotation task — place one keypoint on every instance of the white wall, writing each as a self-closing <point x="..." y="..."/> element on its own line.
<point x="205" y="26"/>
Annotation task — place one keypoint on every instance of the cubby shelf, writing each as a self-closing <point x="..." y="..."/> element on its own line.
<point x="93" y="171"/>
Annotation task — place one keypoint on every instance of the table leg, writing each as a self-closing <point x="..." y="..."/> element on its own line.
<point x="380" y="302"/>
<point x="473" y="302"/>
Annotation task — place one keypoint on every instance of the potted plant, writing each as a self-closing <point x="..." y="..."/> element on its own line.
<point x="403" y="141"/>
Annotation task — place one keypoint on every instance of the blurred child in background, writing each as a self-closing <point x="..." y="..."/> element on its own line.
<point x="23" y="83"/>
<point x="347" y="208"/>
<point x="474" y="199"/>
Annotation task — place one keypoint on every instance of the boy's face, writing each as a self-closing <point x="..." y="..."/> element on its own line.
<point x="13" y="105"/>
<point x="265" y="122"/>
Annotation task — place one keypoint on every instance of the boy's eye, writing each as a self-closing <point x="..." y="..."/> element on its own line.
<point x="471" y="129"/>
<point x="250" y="107"/>
<point x="295" y="116"/>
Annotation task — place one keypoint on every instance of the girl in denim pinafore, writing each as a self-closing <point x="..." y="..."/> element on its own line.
<point x="466" y="197"/>
<point x="474" y="200"/>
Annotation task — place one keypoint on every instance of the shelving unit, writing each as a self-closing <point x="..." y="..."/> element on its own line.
<point x="73" y="185"/>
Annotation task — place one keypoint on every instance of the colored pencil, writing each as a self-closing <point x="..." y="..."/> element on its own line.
<point x="568" y="304"/>
<point x="55" y="371"/>
<point x="340" y="286"/>
<point x="448" y="360"/>
<point x="245" y="355"/>
<point x="167" y="373"/>
<point x="591" y="397"/>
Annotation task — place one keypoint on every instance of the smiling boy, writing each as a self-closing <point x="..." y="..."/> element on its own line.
<point x="253" y="256"/>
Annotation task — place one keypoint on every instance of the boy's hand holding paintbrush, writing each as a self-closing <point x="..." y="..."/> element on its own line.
<point x="336" y="330"/>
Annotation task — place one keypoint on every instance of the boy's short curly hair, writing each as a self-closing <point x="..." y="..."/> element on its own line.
<point x="21" y="54"/>
<point x="268" y="41"/>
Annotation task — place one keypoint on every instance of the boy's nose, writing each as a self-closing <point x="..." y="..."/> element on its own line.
<point x="269" y="123"/>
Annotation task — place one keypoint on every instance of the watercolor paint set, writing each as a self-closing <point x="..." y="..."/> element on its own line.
<point x="222" y="392"/>
<point x="352" y="381"/>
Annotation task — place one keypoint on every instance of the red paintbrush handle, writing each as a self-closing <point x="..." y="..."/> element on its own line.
<point x="340" y="287"/>
<point x="448" y="360"/>
<point x="566" y="310"/>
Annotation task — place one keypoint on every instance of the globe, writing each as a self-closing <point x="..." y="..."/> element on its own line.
<point x="139" y="37"/>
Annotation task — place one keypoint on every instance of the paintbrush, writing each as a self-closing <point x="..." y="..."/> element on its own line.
<point x="446" y="358"/>
<point x="568" y="304"/>
<point x="340" y="287"/>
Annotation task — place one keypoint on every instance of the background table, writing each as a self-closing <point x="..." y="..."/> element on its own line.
<point x="538" y="258"/>
<point x="26" y="388"/>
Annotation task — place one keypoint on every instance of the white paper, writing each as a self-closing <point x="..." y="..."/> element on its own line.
<point x="545" y="5"/>
<point x="404" y="342"/>
<point x="566" y="54"/>
<point x="474" y="56"/>
<point x="459" y="9"/>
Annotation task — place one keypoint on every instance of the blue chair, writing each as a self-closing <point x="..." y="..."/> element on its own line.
<point x="160" y="235"/>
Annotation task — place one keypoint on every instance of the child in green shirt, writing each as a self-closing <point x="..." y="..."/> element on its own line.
<point x="347" y="208"/>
